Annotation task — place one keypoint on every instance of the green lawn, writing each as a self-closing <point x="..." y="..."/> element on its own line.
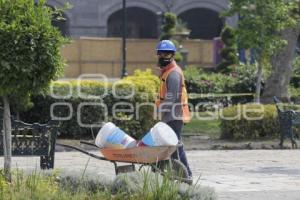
<point x="203" y="127"/>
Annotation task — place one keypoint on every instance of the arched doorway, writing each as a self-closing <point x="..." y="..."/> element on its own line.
<point x="204" y="23"/>
<point x="141" y="23"/>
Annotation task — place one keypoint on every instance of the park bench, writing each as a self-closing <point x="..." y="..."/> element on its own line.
<point x="32" y="140"/>
<point x="287" y="119"/>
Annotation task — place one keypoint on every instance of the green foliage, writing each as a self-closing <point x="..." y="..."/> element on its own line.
<point x="294" y="93"/>
<point x="202" y="126"/>
<point x="140" y="88"/>
<point x="38" y="186"/>
<point x="239" y="84"/>
<point x="168" y="30"/>
<point x="259" y="25"/>
<point x="200" y="81"/>
<point x="178" y="57"/>
<point x="243" y="128"/>
<point x="144" y="82"/>
<point x="30" y="48"/>
<point x="181" y="26"/>
<point x="294" y="87"/>
<point x="168" y="27"/>
<point x="64" y="186"/>
<point x="228" y="36"/>
<point x="295" y="79"/>
<point x="229" y="52"/>
<point x="245" y="79"/>
<point x="260" y="22"/>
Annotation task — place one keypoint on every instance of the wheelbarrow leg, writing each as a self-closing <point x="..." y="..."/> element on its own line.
<point x="123" y="168"/>
<point x="177" y="170"/>
<point x="116" y="167"/>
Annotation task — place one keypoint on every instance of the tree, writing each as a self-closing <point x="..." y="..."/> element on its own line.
<point x="229" y="52"/>
<point x="29" y="56"/>
<point x="169" y="26"/>
<point x="282" y="68"/>
<point x="168" y="31"/>
<point x="258" y="27"/>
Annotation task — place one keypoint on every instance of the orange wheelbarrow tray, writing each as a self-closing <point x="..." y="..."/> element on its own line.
<point x="140" y="155"/>
<point x="136" y="155"/>
<point x="155" y="157"/>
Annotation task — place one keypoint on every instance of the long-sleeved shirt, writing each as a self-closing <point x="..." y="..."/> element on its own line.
<point x="171" y="106"/>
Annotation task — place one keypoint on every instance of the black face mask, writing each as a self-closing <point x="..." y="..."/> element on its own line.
<point x="163" y="62"/>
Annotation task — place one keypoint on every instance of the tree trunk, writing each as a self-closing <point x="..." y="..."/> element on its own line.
<point x="258" y="82"/>
<point x="278" y="82"/>
<point x="7" y="139"/>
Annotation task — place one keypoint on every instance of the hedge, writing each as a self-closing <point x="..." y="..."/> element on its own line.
<point x="143" y="84"/>
<point x="243" y="128"/>
<point x="201" y="81"/>
<point x="267" y="127"/>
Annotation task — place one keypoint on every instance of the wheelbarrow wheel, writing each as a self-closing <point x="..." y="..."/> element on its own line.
<point x="174" y="169"/>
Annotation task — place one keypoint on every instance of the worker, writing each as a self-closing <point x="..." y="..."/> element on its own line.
<point x="172" y="101"/>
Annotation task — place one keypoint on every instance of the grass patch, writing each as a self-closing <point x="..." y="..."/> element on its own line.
<point x="199" y="126"/>
<point x="134" y="186"/>
<point x="38" y="186"/>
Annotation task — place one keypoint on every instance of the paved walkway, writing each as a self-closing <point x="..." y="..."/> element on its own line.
<point x="236" y="174"/>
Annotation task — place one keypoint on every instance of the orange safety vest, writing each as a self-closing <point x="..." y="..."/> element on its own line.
<point x="184" y="96"/>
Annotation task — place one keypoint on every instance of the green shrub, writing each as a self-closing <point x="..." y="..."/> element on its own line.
<point x="168" y="31"/>
<point x="229" y="52"/>
<point x="245" y="79"/>
<point x="243" y="128"/>
<point x="200" y="81"/>
<point x="294" y="93"/>
<point x="143" y="84"/>
<point x="295" y="79"/>
<point x="169" y="26"/>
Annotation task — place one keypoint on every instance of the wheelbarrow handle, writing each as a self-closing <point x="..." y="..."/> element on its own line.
<point x="88" y="143"/>
<point x="82" y="151"/>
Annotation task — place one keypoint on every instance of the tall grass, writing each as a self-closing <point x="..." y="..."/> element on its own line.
<point x="147" y="185"/>
<point x="39" y="187"/>
<point x="143" y="185"/>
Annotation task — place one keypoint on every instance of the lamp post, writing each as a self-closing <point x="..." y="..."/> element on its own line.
<point x="124" y="35"/>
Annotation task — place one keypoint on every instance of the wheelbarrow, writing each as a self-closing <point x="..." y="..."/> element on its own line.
<point x="158" y="158"/>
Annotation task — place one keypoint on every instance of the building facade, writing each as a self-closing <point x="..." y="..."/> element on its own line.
<point x="103" y="18"/>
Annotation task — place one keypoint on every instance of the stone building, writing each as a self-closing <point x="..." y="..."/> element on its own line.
<point x="103" y="18"/>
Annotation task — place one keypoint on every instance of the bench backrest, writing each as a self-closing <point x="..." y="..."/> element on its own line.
<point x="30" y="139"/>
<point x="278" y="104"/>
<point x="286" y="117"/>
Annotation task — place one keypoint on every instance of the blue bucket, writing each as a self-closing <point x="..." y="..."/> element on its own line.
<point x="160" y="135"/>
<point x="113" y="137"/>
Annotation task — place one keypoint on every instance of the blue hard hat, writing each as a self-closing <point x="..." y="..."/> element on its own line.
<point x="166" y="45"/>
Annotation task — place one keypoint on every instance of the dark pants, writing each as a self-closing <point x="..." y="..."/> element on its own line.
<point x="177" y="125"/>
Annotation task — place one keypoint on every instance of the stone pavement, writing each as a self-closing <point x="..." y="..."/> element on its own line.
<point x="235" y="174"/>
<point x="249" y="174"/>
